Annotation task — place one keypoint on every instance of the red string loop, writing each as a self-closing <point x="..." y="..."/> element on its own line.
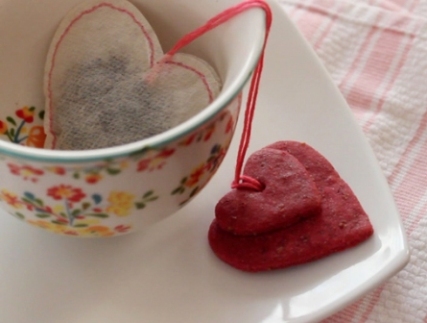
<point x="240" y="181"/>
<point x="247" y="182"/>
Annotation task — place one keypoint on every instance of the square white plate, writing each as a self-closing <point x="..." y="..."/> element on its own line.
<point x="169" y="274"/>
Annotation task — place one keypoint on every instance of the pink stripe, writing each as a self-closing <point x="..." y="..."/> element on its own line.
<point x="345" y="315"/>
<point x="372" y="76"/>
<point x="348" y="313"/>
<point x="328" y="29"/>
<point x="418" y="162"/>
<point x="414" y="223"/>
<point x="291" y="13"/>
<point x="356" y="61"/>
<point x="299" y="7"/>
<point x="372" y="302"/>
<point x="411" y="145"/>
<point x="198" y="73"/>
<point x="413" y="6"/>
<point x="400" y="3"/>
<point x="412" y="177"/>
<point x="393" y="78"/>
<point x="402" y="22"/>
<point x="67" y="30"/>
<point x="314" y="18"/>
<point x="412" y="181"/>
<point x="388" y="5"/>
<point x="309" y="23"/>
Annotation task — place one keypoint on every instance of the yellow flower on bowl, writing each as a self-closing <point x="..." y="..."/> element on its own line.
<point x="11" y="199"/>
<point x="52" y="227"/>
<point x="120" y="203"/>
<point x="97" y="230"/>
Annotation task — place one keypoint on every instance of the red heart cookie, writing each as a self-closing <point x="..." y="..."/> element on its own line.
<point x="289" y="195"/>
<point x="341" y="224"/>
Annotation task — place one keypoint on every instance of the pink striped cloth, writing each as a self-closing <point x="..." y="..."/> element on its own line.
<point x="376" y="52"/>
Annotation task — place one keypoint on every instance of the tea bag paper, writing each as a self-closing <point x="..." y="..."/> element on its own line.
<point x="104" y="86"/>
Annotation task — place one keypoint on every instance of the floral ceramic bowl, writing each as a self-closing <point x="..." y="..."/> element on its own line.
<point x="112" y="191"/>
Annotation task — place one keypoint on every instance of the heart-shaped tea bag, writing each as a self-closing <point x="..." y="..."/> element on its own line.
<point x="103" y="85"/>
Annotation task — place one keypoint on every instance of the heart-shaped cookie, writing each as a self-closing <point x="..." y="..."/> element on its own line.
<point x="341" y="224"/>
<point x="104" y="86"/>
<point x="289" y="195"/>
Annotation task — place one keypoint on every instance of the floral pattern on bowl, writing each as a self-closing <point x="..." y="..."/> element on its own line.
<point x="21" y="128"/>
<point x="115" y="196"/>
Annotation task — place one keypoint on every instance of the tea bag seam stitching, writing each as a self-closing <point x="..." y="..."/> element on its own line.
<point x="66" y="31"/>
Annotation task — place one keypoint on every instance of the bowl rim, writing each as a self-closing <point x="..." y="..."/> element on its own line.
<point x="221" y="102"/>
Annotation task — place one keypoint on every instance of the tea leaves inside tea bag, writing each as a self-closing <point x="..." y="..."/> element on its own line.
<point x="103" y="85"/>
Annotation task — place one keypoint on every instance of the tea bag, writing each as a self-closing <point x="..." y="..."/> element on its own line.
<point x="104" y="86"/>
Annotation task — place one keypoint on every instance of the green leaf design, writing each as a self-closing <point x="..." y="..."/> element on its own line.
<point x="41" y="115"/>
<point x="184" y="180"/>
<point x="183" y="202"/>
<point x="38" y="202"/>
<point x="28" y="201"/>
<point x="11" y="120"/>
<point x="58" y="222"/>
<point x="113" y="171"/>
<point x="151" y="199"/>
<point x="85" y="205"/>
<point x="42" y="215"/>
<point x="98" y="215"/>
<point x="76" y="212"/>
<point x="81" y="226"/>
<point x="76" y="175"/>
<point x="148" y="194"/>
<point x="140" y="205"/>
<point x="109" y="160"/>
<point x="20" y="215"/>
<point x="177" y="191"/>
<point x="193" y="192"/>
<point x="140" y="152"/>
<point x="32" y="109"/>
<point x="12" y="132"/>
<point x="7" y="133"/>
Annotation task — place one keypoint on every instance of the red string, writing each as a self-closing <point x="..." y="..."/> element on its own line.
<point x="240" y="181"/>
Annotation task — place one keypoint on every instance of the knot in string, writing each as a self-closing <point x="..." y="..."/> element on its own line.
<point x="240" y="181"/>
<point x="247" y="182"/>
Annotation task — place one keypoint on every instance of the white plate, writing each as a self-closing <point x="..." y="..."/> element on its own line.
<point x="169" y="274"/>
